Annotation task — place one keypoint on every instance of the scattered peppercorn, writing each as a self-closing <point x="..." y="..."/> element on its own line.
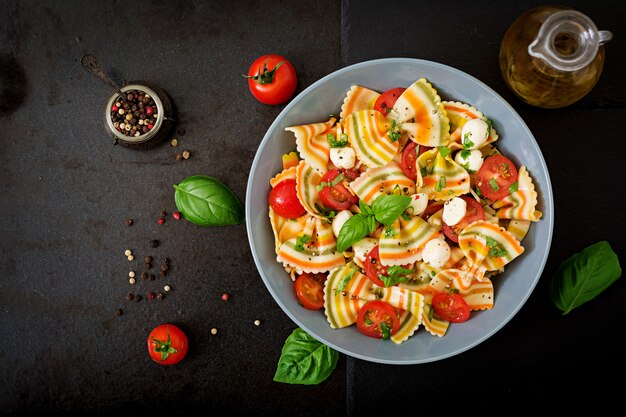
<point x="225" y="297"/>
<point x="151" y="295"/>
<point x="128" y="252"/>
<point x="164" y="267"/>
<point x="138" y="298"/>
<point x="131" y="274"/>
<point x="181" y="131"/>
<point x="179" y="156"/>
<point x="167" y="288"/>
<point x="147" y="259"/>
<point x="131" y="281"/>
<point x="214" y="331"/>
<point x="129" y="222"/>
<point x="161" y="220"/>
<point x="154" y="243"/>
<point x="131" y="257"/>
<point x="186" y="154"/>
<point x="174" y="142"/>
<point x="160" y="296"/>
<point x="148" y="266"/>
<point x="257" y="322"/>
<point x="119" y="312"/>
<point x="176" y="215"/>
<point x="166" y="261"/>
<point x="130" y="297"/>
<point x="144" y="275"/>
<point x="163" y="273"/>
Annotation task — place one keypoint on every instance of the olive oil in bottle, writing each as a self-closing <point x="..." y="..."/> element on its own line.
<point x="552" y="56"/>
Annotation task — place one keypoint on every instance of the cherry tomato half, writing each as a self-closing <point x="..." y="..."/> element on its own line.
<point x="284" y="199"/>
<point x="495" y="177"/>
<point x="167" y="344"/>
<point x="474" y="212"/>
<point x="373" y="267"/>
<point x="309" y="290"/>
<point x="334" y="194"/>
<point x="272" y="79"/>
<point x="451" y="307"/>
<point x="386" y="100"/>
<point x="373" y="314"/>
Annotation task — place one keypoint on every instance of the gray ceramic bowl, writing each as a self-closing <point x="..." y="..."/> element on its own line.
<point x="512" y="288"/>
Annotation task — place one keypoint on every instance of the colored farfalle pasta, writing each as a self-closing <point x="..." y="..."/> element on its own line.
<point x="399" y="213"/>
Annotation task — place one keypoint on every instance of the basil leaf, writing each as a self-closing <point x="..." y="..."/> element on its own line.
<point x="385" y="330"/>
<point x="205" y="201"/>
<point x="365" y="209"/>
<point x="355" y="229"/>
<point x="301" y="241"/>
<point x="387" y="208"/>
<point x="304" y="360"/>
<point x="513" y="187"/>
<point x="583" y="276"/>
<point x="444" y="151"/>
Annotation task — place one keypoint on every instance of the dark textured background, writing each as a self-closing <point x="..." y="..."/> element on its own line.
<point x="67" y="191"/>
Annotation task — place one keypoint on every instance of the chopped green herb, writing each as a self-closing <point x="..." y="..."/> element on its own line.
<point x="465" y="153"/>
<point x="491" y="242"/>
<point x="431" y="312"/>
<point x="513" y="187"/>
<point x="344" y="281"/>
<point x="433" y="273"/>
<point x="423" y="171"/>
<point x="390" y="231"/>
<point x="301" y="241"/>
<point x="494" y="185"/>
<point x="394" y="132"/>
<point x="467" y="142"/>
<point x="489" y="126"/>
<point x="478" y="193"/>
<point x="334" y="143"/>
<point x="405" y="214"/>
<point x="328" y="214"/>
<point x="441" y="184"/>
<point x="444" y="151"/>
<point x="385" y="330"/>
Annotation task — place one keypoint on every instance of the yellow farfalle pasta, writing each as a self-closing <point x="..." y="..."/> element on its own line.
<point x="444" y="178"/>
<point x="368" y="133"/>
<point x="388" y="179"/>
<point x="520" y="204"/>
<point x="460" y="113"/>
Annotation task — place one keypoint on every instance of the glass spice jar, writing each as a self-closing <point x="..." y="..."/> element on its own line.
<point x="552" y="56"/>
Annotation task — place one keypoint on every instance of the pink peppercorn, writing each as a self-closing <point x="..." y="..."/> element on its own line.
<point x="114" y="108"/>
<point x="161" y="220"/>
<point x="176" y="215"/>
<point x="150" y="126"/>
<point x="225" y="297"/>
<point x="150" y="295"/>
<point x="148" y="109"/>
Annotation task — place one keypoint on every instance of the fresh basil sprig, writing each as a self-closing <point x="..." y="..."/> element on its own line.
<point x="385" y="209"/>
<point x="583" y="276"/>
<point x="304" y="360"/>
<point x="205" y="201"/>
<point x="395" y="275"/>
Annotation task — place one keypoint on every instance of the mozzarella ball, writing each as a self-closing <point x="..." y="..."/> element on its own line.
<point x="436" y="253"/>
<point x="470" y="160"/>
<point x="454" y="210"/>
<point x="339" y="219"/>
<point x="363" y="247"/>
<point x="418" y="204"/>
<point x="343" y="157"/>
<point x="474" y="133"/>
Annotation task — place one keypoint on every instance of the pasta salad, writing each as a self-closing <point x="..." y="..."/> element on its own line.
<point x="399" y="212"/>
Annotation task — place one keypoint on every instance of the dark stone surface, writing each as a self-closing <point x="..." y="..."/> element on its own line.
<point x="67" y="192"/>
<point x="539" y="352"/>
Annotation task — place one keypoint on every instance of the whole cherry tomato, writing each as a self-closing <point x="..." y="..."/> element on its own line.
<point x="167" y="344"/>
<point x="272" y="79"/>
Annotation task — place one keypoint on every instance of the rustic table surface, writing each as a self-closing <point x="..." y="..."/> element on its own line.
<point x="67" y="192"/>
